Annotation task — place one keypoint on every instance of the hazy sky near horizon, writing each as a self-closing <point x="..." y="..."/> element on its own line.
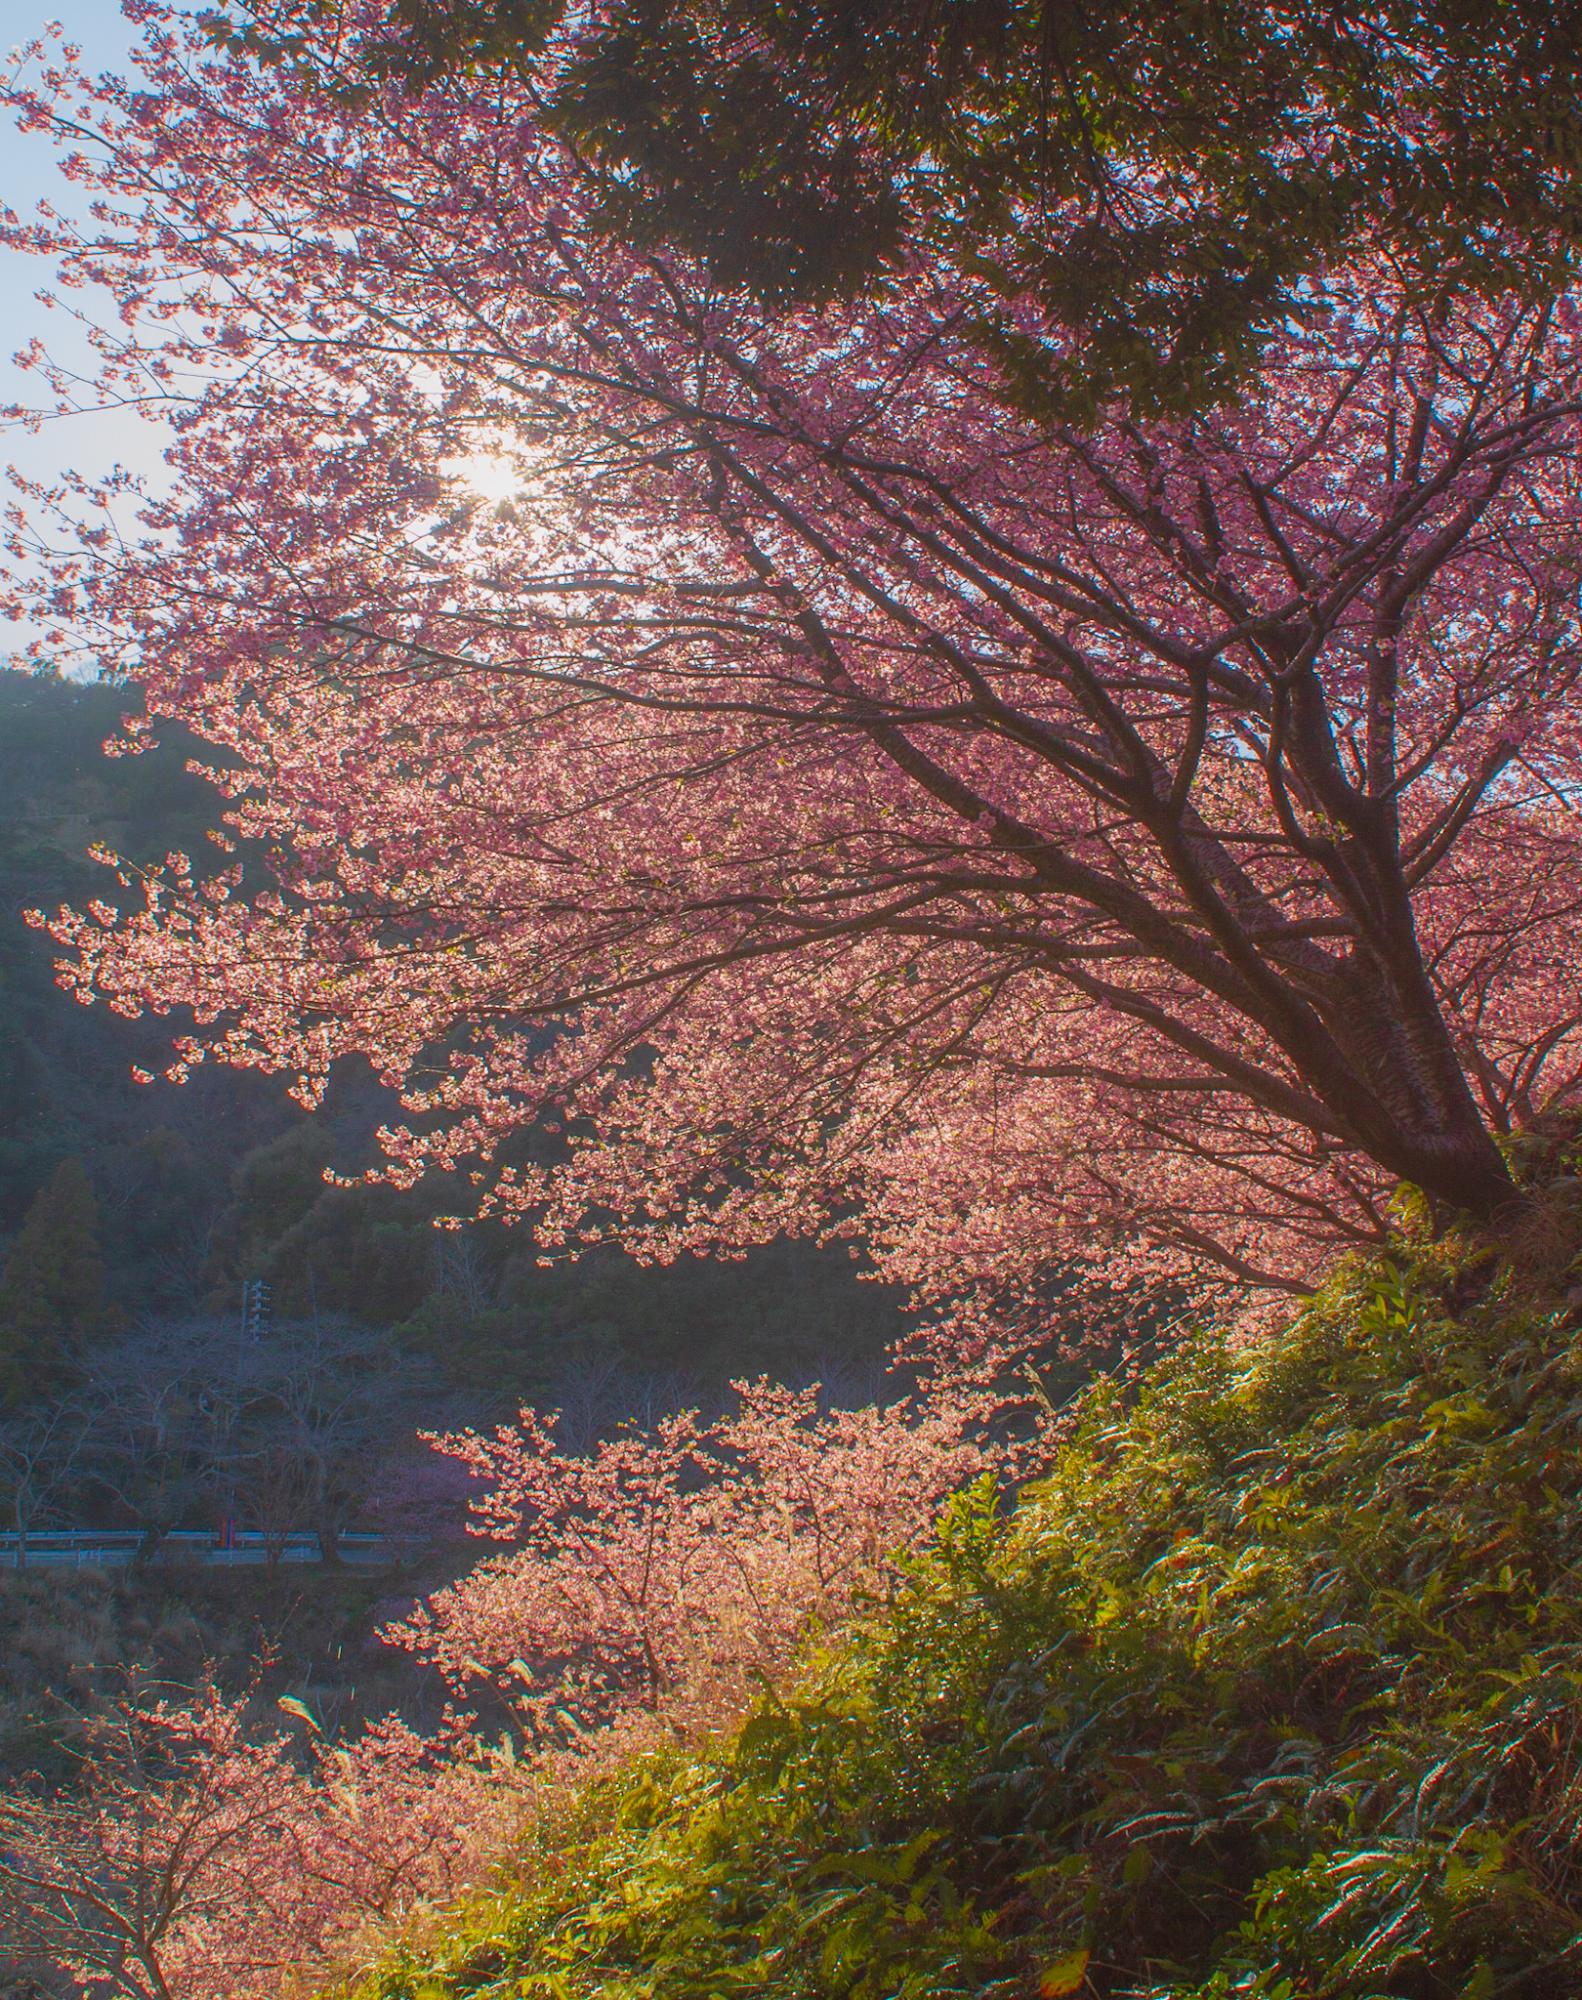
<point x="28" y="173"/>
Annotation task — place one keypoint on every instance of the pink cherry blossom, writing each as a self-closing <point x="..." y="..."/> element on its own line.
<point x="668" y="1572"/>
<point x="826" y="798"/>
<point x="202" y="1851"/>
<point x="196" y="1855"/>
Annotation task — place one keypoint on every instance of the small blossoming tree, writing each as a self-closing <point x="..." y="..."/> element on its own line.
<point x="662" y="1574"/>
<point x="198" y="1852"/>
<point x="194" y="1856"/>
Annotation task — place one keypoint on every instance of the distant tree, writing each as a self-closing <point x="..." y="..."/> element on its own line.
<point x="164" y="1422"/>
<point x="358" y="1252"/>
<point x="325" y="1411"/>
<point x="52" y="1286"/>
<point x="46" y="1452"/>
<point x="306" y="1427"/>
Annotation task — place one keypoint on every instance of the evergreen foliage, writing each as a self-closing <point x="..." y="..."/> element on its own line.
<point x="1271" y="1688"/>
<point x="52" y="1284"/>
<point x="1162" y="175"/>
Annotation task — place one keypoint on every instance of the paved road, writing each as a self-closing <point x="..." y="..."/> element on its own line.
<point x="90" y="1548"/>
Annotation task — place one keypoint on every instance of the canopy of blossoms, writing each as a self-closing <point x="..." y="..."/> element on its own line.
<point x="802" y="792"/>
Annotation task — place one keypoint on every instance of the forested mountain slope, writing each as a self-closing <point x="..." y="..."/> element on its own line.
<point x="66" y="1090"/>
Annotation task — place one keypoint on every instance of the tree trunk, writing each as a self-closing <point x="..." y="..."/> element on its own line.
<point x="1402" y="1051"/>
<point x="1465" y="1174"/>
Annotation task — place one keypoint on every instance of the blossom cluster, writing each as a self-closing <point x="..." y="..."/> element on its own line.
<point x="665" y="1573"/>
<point x="195" y="1854"/>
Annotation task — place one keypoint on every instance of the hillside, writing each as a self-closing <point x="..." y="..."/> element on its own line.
<point x="1270" y="1688"/>
<point x="156" y="1157"/>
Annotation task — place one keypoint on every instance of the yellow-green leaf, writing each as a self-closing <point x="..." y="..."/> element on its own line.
<point x="1064" y="1976"/>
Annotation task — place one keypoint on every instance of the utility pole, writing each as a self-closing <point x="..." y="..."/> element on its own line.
<point x="257" y="1299"/>
<point x="257" y="1303"/>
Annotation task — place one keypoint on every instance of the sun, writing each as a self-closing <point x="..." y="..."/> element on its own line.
<point x="488" y="475"/>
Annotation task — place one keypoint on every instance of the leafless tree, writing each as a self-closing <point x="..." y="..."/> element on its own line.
<point x="160" y="1426"/>
<point x="42" y="1451"/>
<point x="327" y="1406"/>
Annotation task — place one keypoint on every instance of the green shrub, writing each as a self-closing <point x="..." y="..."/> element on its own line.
<point x="1271" y="1688"/>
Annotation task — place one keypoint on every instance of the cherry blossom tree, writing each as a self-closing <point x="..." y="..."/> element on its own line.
<point x="743" y="750"/>
<point x="661" y="1573"/>
<point x="196" y="1856"/>
<point x="99" y="1880"/>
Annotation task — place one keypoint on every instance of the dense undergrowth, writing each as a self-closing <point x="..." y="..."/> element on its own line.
<point x="1272" y="1688"/>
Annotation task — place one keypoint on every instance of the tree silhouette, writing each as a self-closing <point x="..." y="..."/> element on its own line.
<point x="52" y="1285"/>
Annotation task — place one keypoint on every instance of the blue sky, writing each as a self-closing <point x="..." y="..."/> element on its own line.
<point x="27" y="173"/>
